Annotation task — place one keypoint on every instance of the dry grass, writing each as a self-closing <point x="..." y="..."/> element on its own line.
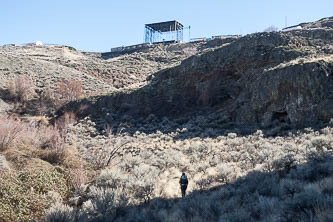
<point x="64" y="120"/>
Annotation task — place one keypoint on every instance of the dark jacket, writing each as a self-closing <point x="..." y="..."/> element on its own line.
<point x="183" y="181"/>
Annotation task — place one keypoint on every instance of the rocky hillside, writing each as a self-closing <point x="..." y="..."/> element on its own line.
<point x="257" y="79"/>
<point x="322" y="23"/>
<point x="49" y="66"/>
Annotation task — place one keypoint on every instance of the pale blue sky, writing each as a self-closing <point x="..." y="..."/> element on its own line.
<point x="98" y="25"/>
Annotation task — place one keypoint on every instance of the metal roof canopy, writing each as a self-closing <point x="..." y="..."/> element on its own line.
<point x="166" y="26"/>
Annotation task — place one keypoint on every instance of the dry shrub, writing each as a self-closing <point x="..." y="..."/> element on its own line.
<point x="83" y="108"/>
<point x="139" y="185"/>
<point x="95" y="93"/>
<point x="59" y="212"/>
<point x="37" y="121"/>
<point x="22" y="89"/>
<point x="53" y="156"/>
<point x="322" y="143"/>
<point x="46" y="141"/>
<point x="50" y="138"/>
<point x="285" y="163"/>
<point x="144" y="191"/>
<point x="71" y="160"/>
<point x="66" y="91"/>
<point x="70" y="90"/>
<point x="31" y="134"/>
<point x="204" y="183"/>
<point x="105" y="204"/>
<point x="113" y="179"/>
<point x="22" y="194"/>
<point x="9" y="132"/>
<point x="324" y="213"/>
<point x="224" y="173"/>
<point x="144" y="182"/>
<point x="111" y="150"/>
<point x="62" y="154"/>
<point x="48" y="100"/>
<point x="63" y="121"/>
<point x="68" y="157"/>
<point x="78" y="177"/>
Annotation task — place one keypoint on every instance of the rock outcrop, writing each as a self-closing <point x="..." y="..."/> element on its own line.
<point x="260" y="78"/>
<point x="322" y="23"/>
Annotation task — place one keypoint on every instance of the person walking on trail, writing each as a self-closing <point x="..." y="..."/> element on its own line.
<point x="183" y="184"/>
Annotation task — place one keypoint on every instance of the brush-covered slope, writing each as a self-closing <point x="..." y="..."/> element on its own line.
<point x="47" y="65"/>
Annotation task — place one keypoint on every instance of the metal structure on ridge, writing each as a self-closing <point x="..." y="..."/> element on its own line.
<point x="164" y="32"/>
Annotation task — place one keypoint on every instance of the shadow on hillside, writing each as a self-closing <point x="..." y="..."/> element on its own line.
<point x="4" y="95"/>
<point x="32" y="107"/>
<point x="186" y="123"/>
<point x="182" y="105"/>
<point x="290" y="192"/>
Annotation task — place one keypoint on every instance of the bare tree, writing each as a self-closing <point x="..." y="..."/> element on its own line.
<point x="111" y="149"/>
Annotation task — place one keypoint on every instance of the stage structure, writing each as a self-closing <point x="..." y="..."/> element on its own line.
<point x="164" y="32"/>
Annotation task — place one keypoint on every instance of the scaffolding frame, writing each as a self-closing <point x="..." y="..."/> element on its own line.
<point x="164" y="32"/>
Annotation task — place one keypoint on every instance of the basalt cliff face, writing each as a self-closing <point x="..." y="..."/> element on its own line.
<point x="259" y="78"/>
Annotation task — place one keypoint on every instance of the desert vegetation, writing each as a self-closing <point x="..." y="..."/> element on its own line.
<point x="232" y="178"/>
<point x="104" y="137"/>
<point x="126" y="177"/>
<point x="28" y="98"/>
<point x="21" y="89"/>
<point x="41" y="168"/>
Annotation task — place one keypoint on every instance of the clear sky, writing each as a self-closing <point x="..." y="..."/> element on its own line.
<point x="98" y="25"/>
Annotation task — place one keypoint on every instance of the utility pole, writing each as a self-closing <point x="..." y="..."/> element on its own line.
<point x="189" y="33"/>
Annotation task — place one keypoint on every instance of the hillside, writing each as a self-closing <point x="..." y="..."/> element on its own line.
<point x="260" y="78"/>
<point x="106" y="136"/>
<point x="49" y="64"/>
